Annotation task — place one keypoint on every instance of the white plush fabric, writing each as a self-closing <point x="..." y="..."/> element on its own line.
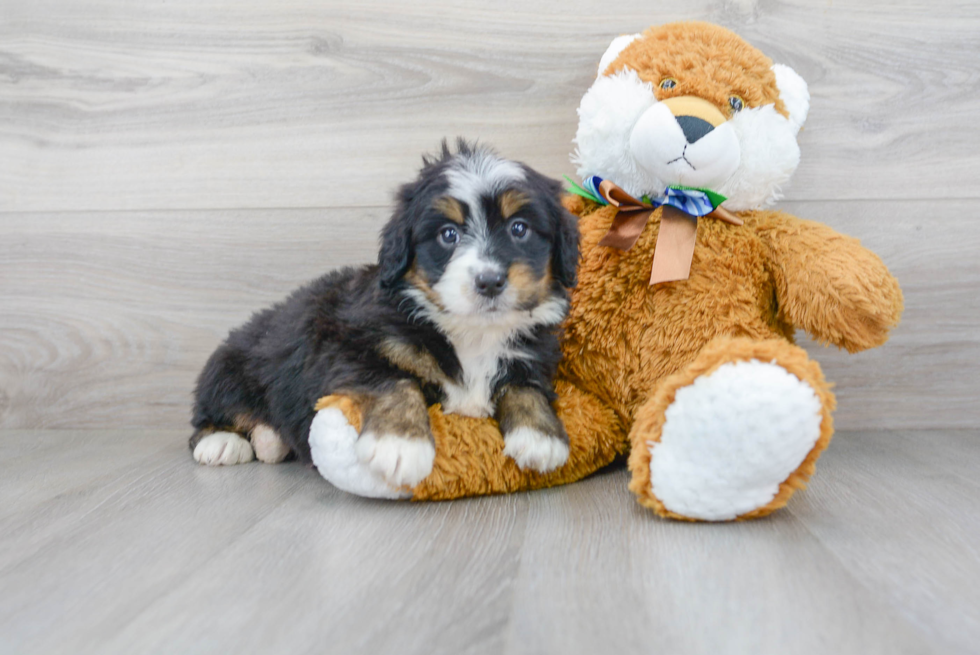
<point x="731" y="438"/>
<point x="659" y="146"/>
<point x="769" y="157"/>
<point x="332" y="445"/>
<point x="624" y="136"/>
<point x="607" y="114"/>
<point x="617" y="46"/>
<point x="794" y="94"/>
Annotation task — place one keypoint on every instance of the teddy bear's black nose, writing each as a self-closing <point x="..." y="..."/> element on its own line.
<point x="693" y="127"/>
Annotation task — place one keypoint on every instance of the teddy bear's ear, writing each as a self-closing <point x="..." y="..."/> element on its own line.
<point x="617" y="46"/>
<point x="793" y="93"/>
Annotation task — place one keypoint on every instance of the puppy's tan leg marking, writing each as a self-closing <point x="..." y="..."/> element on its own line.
<point x="415" y="361"/>
<point x="268" y="445"/>
<point x="533" y="435"/>
<point x="396" y="441"/>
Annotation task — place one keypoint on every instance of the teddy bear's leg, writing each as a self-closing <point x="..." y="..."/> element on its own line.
<point x="470" y="458"/>
<point x="732" y="435"/>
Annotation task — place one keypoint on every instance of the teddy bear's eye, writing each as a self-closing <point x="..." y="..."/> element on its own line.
<point x="668" y="83"/>
<point x="736" y="104"/>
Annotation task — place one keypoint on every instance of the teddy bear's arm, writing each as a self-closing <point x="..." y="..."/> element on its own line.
<point x="830" y="285"/>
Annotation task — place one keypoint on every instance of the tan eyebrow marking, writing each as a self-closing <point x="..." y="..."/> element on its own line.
<point x="511" y="202"/>
<point x="450" y="208"/>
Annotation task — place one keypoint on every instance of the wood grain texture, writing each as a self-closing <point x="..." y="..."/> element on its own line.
<point x="154" y="554"/>
<point x="108" y="317"/>
<point x="108" y="105"/>
<point x="168" y="168"/>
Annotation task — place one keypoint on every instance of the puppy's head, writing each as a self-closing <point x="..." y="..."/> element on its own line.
<point x="480" y="236"/>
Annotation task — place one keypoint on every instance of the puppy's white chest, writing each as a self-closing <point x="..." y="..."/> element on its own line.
<point x="480" y="361"/>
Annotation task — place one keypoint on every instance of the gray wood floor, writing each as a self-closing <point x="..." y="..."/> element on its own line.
<point x="112" y="542"/>
<point x="167" y="168"/>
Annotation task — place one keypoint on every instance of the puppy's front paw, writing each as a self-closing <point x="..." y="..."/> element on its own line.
<point x="535" y="450"/>
<point x="401" y="461"/>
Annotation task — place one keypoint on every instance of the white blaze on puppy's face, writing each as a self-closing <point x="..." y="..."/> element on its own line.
<point x="482" y="328"/>
<point x="481" y="174"/>
<point x="472" y="179"/>
<point x="456" y="288"/>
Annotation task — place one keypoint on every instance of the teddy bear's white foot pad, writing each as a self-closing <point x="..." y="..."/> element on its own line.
<point x="333" y="443"/>
<point x="731" y="438"/>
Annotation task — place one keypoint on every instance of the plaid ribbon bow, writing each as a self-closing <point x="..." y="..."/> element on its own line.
<point x="682" y="206"/>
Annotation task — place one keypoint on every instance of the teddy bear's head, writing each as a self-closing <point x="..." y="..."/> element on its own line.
<point x="692" y="104"/>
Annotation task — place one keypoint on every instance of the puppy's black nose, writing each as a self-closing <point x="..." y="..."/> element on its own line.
<point x="693" y="127"/>
<point x="490" y="283"/>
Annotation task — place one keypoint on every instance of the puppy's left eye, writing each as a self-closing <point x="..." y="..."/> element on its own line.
<point x="736" y="104"/>
<point x="519" y="230"/>
<point x="448" y="236"/>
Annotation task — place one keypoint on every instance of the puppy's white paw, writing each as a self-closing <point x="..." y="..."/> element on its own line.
<point x="268" y="445"/>
<point x="223" y="449"/>
<point x="401" y="461"/>
<point x="332" y="445"/>
<point x="535" y="450"/>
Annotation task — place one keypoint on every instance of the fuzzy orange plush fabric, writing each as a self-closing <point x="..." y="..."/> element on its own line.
<point x="633" y="349"/>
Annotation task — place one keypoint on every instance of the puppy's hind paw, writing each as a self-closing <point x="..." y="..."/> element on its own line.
<point x="401" y="461"/>
<point x="223" y="449"/>
<point x="535" y="450"/>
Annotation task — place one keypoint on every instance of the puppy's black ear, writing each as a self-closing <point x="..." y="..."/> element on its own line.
<point x="565" y="252"/>
<point x="564" y="225"/>
<point x="396" y="253"/>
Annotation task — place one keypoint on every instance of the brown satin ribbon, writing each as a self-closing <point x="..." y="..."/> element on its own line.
<point x="675" y="242"/>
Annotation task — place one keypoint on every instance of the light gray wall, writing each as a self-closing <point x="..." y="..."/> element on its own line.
<point x="167" y="168"/>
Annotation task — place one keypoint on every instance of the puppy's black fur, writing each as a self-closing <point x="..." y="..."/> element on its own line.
<point x="329" y="336"/>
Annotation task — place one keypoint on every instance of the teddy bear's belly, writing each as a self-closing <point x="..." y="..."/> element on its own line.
<point x="624" y="336"/>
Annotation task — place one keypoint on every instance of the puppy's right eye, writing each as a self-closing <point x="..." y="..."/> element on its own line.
<point x="448" y="236"/>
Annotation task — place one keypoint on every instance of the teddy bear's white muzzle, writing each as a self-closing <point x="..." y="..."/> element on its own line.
<point x="690" y="154"/>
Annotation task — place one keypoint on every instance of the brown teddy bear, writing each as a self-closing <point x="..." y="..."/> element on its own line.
<point x="679" y="346"/>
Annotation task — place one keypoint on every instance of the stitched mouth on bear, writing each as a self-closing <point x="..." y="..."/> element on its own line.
<point x="684" y="150"/>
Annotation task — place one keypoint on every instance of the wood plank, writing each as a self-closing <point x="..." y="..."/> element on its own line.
<point x="183" y="558"/>
<point x="111" y="105"/>
<point x="604" y="576"/>
<point x="924" y="376"/>
<point x="879" y="555"/>
<point x="108" y="317"/>
<point x="898" y="510"/>
<point x="348" y="576"/>
<point x="81" y="564"/>
<point x="72" y="460"/>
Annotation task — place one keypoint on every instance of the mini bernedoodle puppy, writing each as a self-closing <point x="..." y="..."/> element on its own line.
<point x="463" y="308"/>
